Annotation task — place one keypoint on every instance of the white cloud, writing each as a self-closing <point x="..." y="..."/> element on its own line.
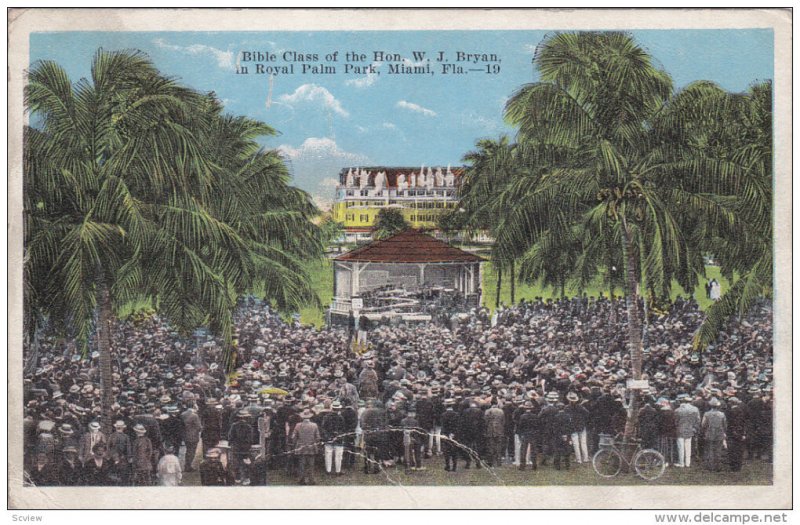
<point x="320" y="148"/>
<point x="316" y="163"/>
<point x="315" y="94"/>
<point x="416" y="108"/>
<point x="224" y="58"/>
<point x="367" y="80"/>
<point x="388" y="125"/>
<point x="530" y="48"/>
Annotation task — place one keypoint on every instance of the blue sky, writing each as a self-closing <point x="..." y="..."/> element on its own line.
<point x="331" y="121"/>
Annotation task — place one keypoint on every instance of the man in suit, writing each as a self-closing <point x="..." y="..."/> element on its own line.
<point x="373" y="424"/>
<point x="527" y="431"/>
<point x="425" y="417"/>
<point x="547" y="426"/>
<point x="142" y="457"/>
<point x="687" y="418"/>
<point x="120" y="452"/>
<point x="494" y="423"/>
<point x="211" y="418"/>
<point x="648" y="424"/>
<point x="70" y="468"/>
<point x="89" y="440"/>
<point x="240" y="438"/>
<point x="737" y="433"/>
<point x="714" y="426"/>
<point x="413" y="442"/>
<point x="306" y="437"/>
<point x="333" y="429"/>
<point x="451" y="427"/>
<point x="472" y="431"/>
<point x="561" y="431"/>
<point x="212" y="471"/>
<point x="579" y="417"/>
<point x="192" y="428"/>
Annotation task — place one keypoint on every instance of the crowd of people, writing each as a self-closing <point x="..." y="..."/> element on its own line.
<point x="534" y="385"/>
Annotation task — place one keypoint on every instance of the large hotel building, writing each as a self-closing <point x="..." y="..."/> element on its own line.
<point x="421" y="194"/>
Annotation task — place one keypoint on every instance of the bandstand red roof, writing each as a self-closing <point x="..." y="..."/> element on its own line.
<point x="409" y="246"/>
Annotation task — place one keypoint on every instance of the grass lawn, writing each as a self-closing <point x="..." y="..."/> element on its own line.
<point x="753" y="473"/>
<point x="321" y="277"/>
<point x="526" y="291"/>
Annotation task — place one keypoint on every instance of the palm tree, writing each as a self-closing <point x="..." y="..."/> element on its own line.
<point x="489" y="170"/>
<point x="252" y="195"/>
<point x="602" y="120"/>
<point x="122" y="203"/>
<point x="738" y="127"/>
<point x="389" y="222"/>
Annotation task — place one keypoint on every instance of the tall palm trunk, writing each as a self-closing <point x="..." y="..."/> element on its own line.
<point x="513" y="284"/>
<point x="104" y="327"/>
<point x="634" y="328"/>
<point x="499" y="286"/>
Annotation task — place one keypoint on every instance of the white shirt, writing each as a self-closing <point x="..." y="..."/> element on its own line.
<point x="169" y="471"/>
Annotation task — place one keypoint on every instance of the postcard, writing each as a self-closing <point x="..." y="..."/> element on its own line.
<point x="363" y="259"/>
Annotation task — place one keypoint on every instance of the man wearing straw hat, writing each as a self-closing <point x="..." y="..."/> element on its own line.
<point x="714" y="432"/>
<point x="192" y="427"/>
<point x="142" y="457"/>
<point x="212" y="471"/>
<point x="240" y="437"/>
<point x="305" y="437"/>
<point x="687" y="417"/>
<point x="88" y="442"/>
<point x="333" y="429"/>
<point x="579" y="418"/>
<point x="120" y="453"/>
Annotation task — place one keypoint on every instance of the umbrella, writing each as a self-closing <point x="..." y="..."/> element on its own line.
<point x="273" y="391"/>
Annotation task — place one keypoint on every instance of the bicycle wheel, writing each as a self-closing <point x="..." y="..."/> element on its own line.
<point x="607" y="463"/>
<point x="649" y="464"/>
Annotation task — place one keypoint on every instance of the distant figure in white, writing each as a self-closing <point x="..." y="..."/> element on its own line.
<point x="349" y="180"/>
<point x="429" y="179"/>
<point x="169" y="469"/>
<point x="363" y="179"/>
<point x="716" y="290"/>
<point x="412" y="180"/>
<point x="401" y="182"/>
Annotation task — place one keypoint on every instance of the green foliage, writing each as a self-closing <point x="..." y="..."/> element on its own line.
<point x="330" y="230"/>
<point x="611" y="169"/>
<point x="135" y="181"/>
<point x="389" y="222"/>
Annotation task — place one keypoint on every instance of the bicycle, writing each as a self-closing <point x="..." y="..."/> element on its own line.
<point x="649" y="464"/>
